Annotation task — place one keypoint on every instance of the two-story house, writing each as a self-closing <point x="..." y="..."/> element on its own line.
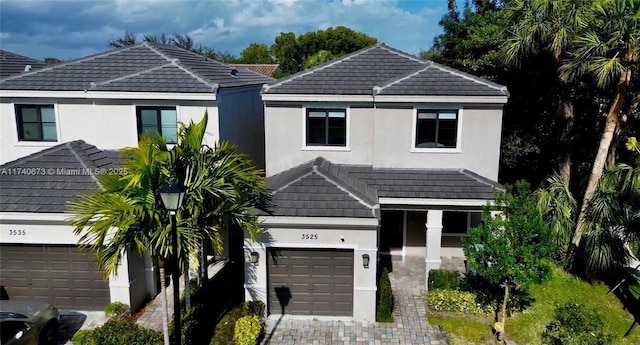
<point x="375" y="153"/>
<point x="61" y="125"/>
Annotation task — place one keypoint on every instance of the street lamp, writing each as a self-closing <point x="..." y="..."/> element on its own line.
<point x="172" y="196"/>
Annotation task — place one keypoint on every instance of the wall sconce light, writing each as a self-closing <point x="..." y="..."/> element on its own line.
<point x="365" y="260"/>
<point x="255" y="257"/>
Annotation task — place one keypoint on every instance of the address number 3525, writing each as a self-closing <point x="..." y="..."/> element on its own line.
<point x="309" y="236"/>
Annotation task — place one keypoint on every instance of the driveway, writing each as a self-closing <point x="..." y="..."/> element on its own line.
<point x="71" y="321"/>
<point x="411" y="326"/>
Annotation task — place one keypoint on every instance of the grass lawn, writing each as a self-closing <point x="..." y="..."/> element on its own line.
<point x="527" y="327"/>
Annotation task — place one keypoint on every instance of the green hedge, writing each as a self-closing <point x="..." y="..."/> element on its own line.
<point x="223" y="334"/>
<point x="574" y="324"/>
<point x="444" y="279"/>
<point x="254" y="308"/>
<point x="118" y="332"/>
<point x="385" y="298"/>
<point x="117" y="310"/>
<point x="455" y="301"/>
<point x="247" y="330"/>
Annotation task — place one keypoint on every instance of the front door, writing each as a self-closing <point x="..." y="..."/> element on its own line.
<point x="391" y="231"/>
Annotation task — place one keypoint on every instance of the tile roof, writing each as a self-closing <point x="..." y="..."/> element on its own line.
<point x="380" y="69"/>
<point x="14" y="64"/>
<point x="43" y="182"/>
<point x="144" y="67"/>
<point x="266" y="69"/>
<point x="323" y="189"/>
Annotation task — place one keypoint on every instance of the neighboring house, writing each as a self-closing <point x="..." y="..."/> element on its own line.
<point x="265" y="69"/>
<point x="377" y="152"/>
<point x="14" y="64"/>
<point x="107" y="99"/>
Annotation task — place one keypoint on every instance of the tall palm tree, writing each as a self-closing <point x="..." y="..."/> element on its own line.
<point x="609" y="50"/>
<point x="547" y="27"/>
<point x="127" y="214"/>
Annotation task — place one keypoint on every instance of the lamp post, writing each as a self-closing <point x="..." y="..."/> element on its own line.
<point x="172" y="196"/>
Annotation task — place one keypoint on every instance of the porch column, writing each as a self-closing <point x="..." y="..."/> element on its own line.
<point x="434" y="241"/>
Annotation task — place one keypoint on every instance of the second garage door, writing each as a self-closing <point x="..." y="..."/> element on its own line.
<point x="310" y="282"/>
<point x="61" y="275"/>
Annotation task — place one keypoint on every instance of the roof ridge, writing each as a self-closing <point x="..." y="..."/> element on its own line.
<point x="292" y="77"/>
<point x="342" y="188"/>
<point x="481" y="179"/>
<point x="471" y="77"/>
<point x="76" y="61"/>
<point x="401" y="53"/>
<point x="285" y="186"/>
<point x="94" y="84"/>
<point x="84" y="158"/>
<point x="39" y="153"/>
<point x="391" y="82"/>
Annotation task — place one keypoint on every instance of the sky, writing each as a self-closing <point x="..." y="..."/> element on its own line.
<point x="72" y="29"/>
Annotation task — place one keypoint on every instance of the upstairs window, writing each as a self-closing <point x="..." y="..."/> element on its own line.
<point x="36" y="123"/>
<point x="161" y="120"/>
<point x="326" y="127"/>
<point x="436" y="129"/>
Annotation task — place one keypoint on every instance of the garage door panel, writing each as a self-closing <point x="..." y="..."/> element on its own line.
<point x="61" y="275"/>
<point x="316" y="281"/>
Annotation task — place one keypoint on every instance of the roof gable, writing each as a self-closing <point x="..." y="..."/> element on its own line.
<point x="380" y="69"/>
<point x="144" y="67"/>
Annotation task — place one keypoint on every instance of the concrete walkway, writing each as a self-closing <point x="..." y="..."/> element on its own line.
<point x="410" y="327"/>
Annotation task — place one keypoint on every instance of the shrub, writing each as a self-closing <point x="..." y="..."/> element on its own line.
<point x="247" y="330"/>
<point x="574" y="324"/>
<point x="118" y="332"/>
<point x="444" y="279"/>
<point x="491" y="296"/>
<point x="254" y="308"/>
<point x="455" y="301"/>
<point x="117" y="310"/>
<point x="191" y="326"/>
<point x="385" y="298"/>
<point x="223" y="334"/>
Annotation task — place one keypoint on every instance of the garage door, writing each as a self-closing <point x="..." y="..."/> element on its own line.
<point x="310" y="282"/>
<point x="62" y="275"/>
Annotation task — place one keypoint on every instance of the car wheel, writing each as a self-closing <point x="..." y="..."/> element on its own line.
<point x="49" y="334"/>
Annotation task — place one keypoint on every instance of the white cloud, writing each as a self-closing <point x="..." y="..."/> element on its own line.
<point x="226" y="25"/>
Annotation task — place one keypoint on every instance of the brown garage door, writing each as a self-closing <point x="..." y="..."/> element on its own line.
<point x="311" y="282"/>
<point x="61" y="275"/>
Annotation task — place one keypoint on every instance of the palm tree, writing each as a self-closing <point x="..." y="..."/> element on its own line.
<point x="547" y="27"/>
<point x="607" y="49"/>
<point x="127" y="214"/>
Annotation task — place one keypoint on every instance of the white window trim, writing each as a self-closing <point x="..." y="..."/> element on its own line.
<point x="156" y="104"/>
<point x="306" y="147"/>
<point x="457" y="149"/>
<point x="20" y="143"/>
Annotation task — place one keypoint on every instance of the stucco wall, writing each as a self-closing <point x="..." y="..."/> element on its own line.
<point x="361" y="241"/>
<point x="285" y="138"/>
<point x="383" y="136"/>
<point x="241" y="116"/>
<point x="107" y="124"/>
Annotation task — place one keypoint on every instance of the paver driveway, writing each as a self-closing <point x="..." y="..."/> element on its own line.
<point x="410" y="328"/>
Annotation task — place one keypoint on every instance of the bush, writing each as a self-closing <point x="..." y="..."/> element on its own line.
<point x="574" y="324"/>
<point x="191" y="326"/>
<point x="455" y="301"/>
<point x="117" y="310"/>
<point x="444" y="279"/>
<point x="385" y="298"/>
<point x="247" y="330"/>
<point x="254" y="308"/>
<point x="223" y="334"/>
<point x="491" y="296"/>
<point x="118" y="332"/>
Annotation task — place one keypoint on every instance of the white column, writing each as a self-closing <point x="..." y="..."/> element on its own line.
<point x="150" y="276"/>
<point x="119" y="284"/>
<point x="434" y="241"/>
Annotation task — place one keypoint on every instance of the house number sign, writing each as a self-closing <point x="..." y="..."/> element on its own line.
<point x="17" y="232"/>
<point x="309" y="236"/>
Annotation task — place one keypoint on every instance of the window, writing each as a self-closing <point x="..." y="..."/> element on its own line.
<point x="459" y="223"/>
<point x="436" y="129"/>
<point x="36" y="123"/>
<point x="161" y="120"/>
<point x="326" y="127"/>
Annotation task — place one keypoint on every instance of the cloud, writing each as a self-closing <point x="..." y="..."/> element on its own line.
<point x="71" y="29"/>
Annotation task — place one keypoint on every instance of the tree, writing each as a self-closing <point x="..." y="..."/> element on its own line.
<point x="129" y="215"/>
<point x="52" y="61"/>
<point x="128" y="39"/>
<point x="547" y="27"/>
<point x="291" y="52"/>
<point x="608" y="50"/>
<point x="318" y="58"/>
<point x="256" y="53"/>
<point x="511" y="246"/>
